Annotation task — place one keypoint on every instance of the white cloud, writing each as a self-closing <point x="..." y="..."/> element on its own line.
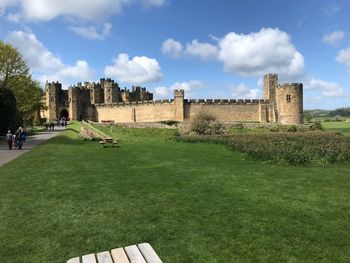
<point x="88" y="10"/>
<point x="92" y="32"/>
<point x="205" y="51"/>
<point x="344" y="57"/>
<point x="40" y="59"/>
<point x="254" y="54"/>
<point x="161" y="92"/>
<point x="44" y="64"/>
<point x="327" y="89"/>
<point x="243" y="92"/>
<point x="139" y="70"/>
<point x="172" y="47"/>
<point x="188" y="86"/>
<point x="334" y="38"/>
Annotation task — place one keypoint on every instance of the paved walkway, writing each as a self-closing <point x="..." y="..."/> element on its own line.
<point x="7" y="155"/>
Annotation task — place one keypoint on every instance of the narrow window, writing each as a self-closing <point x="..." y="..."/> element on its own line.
<point x="288" y="98"/>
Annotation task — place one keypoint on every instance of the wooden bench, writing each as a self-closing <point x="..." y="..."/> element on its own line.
<point x="141" y="253"/>
<point x="108" y="142"/>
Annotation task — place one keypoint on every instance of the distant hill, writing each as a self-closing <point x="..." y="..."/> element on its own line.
<point x="342" y="112"/>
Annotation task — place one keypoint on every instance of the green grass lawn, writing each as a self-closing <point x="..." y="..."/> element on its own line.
<point x="343" y="127"/>
<point x="192" y="202"/>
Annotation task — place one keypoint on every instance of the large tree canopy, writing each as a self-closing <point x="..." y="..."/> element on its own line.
<point x="14" y="75"/>
<point x="12" y="64"/>
<point x="9" y="116"/>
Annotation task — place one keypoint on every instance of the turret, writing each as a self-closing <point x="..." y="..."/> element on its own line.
<point x="110" y="90"/>
<point x="179" y="113"/>
<point x="289" y="99"/>
<point x="270" y="86"/>
<point x="52" y="94"/>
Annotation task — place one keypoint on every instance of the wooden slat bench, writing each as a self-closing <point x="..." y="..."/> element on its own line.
<point x="141" y="253"/>
<point x="108" y="141"/>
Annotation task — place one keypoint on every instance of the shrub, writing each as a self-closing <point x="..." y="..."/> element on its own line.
<point x="205" y="124"/>
<point x="297" y="148"/>
<point x="316" y="126"/>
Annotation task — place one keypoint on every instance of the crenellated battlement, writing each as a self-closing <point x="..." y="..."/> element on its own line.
<point x="225" y="101"/>
<point x="290" y="85"/>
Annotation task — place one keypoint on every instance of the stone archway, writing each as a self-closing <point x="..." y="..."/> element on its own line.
<point x="64" y="114"/>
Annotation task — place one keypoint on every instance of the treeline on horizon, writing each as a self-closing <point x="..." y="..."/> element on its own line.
<point x="341" y="112"/>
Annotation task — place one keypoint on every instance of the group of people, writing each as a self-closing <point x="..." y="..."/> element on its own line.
<point x="51" y="125"/>
<point x="62" y="122"/>
<point x="16" y="140"/>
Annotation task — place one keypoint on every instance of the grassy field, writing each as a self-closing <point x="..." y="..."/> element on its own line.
<point x="343" y="127"/>
<point x="192" y="202"/>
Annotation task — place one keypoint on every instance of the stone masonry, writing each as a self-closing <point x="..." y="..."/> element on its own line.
<point x="105" y="101"/>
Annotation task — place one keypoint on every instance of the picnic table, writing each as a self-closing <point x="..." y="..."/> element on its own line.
<point x="108" y="141"/>
<point x="141" y="253"/>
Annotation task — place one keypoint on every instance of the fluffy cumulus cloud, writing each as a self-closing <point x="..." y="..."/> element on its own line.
<point x="204" y="51"/>
<point x="172" y="48"/>
<point x="254" y="54"/>
<point x="344" y="57"/>
<point x="90" y="10"/>
<point x="92" y="32"/>
<point x="334" y="38"/>
<point x="190" y="87"/>
<point x="161" y="92"/>
<point x="44" y="64"/>
<point x="138" y="70"/>
<point x="243" y="92"/>
<point x="327" y="89"/>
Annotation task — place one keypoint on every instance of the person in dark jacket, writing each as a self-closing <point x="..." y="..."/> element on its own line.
<point x="9" y="139"/>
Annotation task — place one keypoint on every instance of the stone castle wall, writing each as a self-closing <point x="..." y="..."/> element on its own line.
<point x="155" y="111"/>
<point x="149" y="111"/>
<point x="105" y="101"/>
<point x="225" y="111"/>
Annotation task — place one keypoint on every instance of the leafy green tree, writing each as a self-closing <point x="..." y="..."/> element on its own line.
<point x="14" y="74"/>
<point x="9" y="117"/>
<point x="29" y="96"/>
<point x="12" y="64"/>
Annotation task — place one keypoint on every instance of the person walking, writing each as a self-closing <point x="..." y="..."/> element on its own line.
<point x="19" y="138"/>
<point x="9" y="139"/>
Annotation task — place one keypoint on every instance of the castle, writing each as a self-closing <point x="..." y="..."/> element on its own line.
<point x="106" y="101"/>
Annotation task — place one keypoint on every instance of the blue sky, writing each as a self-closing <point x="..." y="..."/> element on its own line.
<point x="210" y="48"/>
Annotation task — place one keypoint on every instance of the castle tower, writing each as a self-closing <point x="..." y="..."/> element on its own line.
<point x="179" y="111"/>
<point x="73" y="103"/>
<point x="95" y="93"/>
<point x="52" y="95"/>
<point x="110" y="91"/>
<point x="289" y="98"/>
<point x="270" y="86"/>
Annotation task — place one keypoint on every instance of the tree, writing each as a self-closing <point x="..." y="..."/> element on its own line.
<point x="9" y="115"/>
<point x="12" y="64"/>
<point x="14" y="75"/>
<point x="29" y="96"/>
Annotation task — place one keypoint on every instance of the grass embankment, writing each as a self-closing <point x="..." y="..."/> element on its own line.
<point x="192" y="202"/>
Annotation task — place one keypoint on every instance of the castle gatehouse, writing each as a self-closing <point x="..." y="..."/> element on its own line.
<point x="106" y="101"/>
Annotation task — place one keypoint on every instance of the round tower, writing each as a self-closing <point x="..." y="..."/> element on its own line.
<point x="289" y="99"/>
